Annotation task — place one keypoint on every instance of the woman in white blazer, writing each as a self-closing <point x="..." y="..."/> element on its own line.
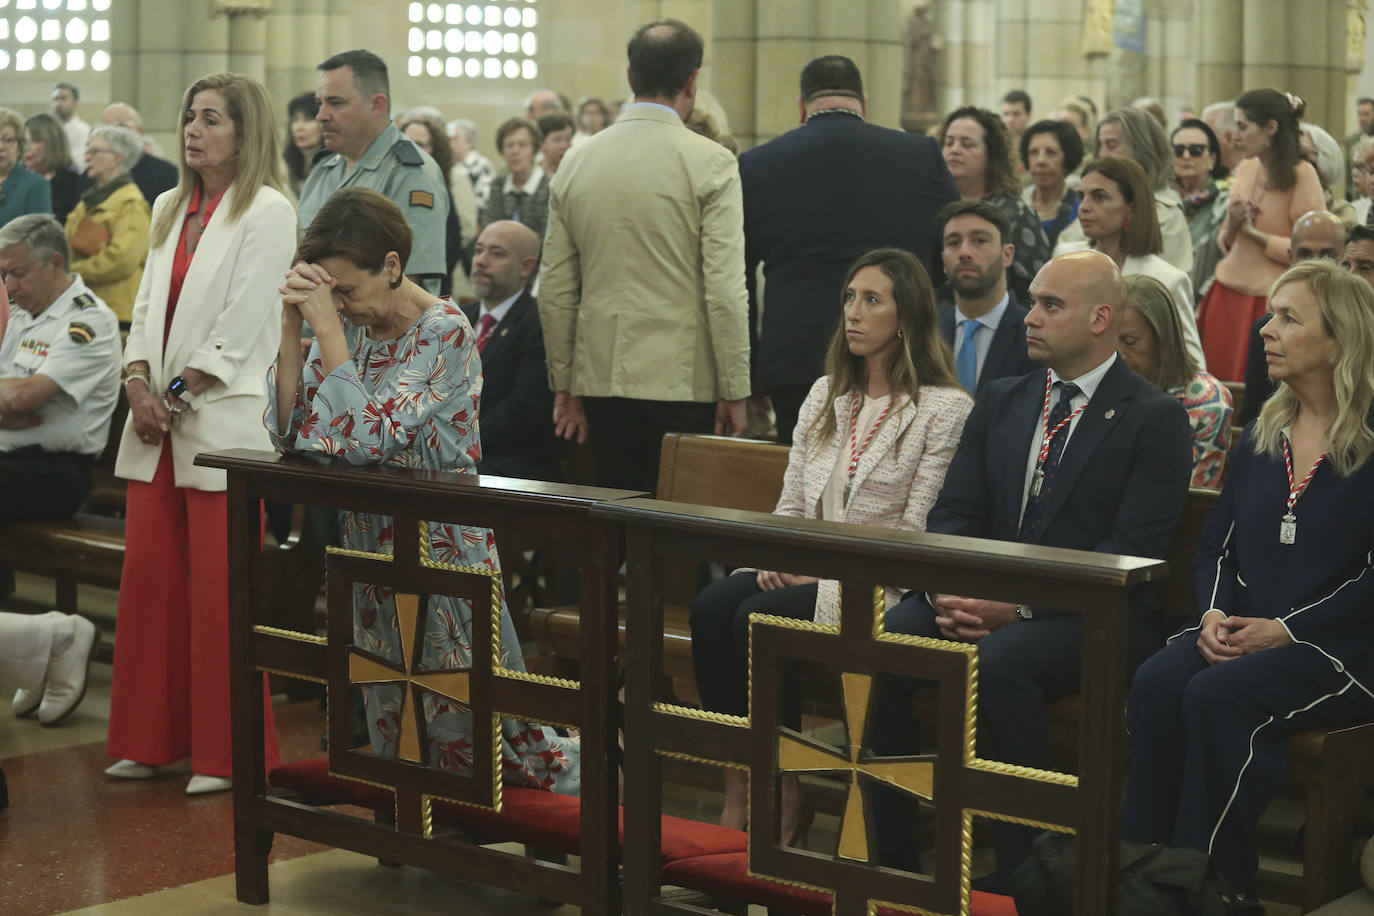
<point x="872" y="443"/>
<point x="203" y="334"/>
<point x="1118" y="217"/>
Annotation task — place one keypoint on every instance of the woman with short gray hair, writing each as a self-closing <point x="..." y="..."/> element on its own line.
<point x="108" y="228"/>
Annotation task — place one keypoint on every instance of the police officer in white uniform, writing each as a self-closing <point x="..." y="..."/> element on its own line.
<point x="59" y="375"/>
<point x="364" y="149"/>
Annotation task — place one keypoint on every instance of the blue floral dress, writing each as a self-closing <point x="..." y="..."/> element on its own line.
<point x="1209" y="407"/>
<point x="413" y="402"/>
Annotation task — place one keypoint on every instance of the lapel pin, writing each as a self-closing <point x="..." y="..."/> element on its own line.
<point x="1109" y="414"/>
<point x="503" y="332"/>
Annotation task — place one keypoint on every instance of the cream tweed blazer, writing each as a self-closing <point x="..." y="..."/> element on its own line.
<point x="898" y="477"/>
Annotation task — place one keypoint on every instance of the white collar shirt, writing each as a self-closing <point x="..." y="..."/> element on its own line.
<point x="982" y="343"/>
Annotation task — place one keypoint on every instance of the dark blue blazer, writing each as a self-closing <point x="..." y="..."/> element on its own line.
<point x="1122" y="480"/>
<point x="516" y="411"/>
<point x="154" y="175"/>
<point x="815" y="199"/>
<point x="1322" y="585"/>
<point x="1007" y="356"/>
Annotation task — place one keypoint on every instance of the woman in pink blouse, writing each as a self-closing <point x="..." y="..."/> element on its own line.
<point x="872" y="443"/>
<point x="1274" y="186"/>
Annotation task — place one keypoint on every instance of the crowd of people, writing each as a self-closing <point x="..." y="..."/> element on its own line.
<point x="1037" y="323"/>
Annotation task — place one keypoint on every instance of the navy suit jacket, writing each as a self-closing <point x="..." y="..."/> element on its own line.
<point x="153" y="176"/>
<point x="815" y="199"/>
<point x="1121" y="483"/>
<point x="1007" y="356"/>
<point x="516" y="412"/>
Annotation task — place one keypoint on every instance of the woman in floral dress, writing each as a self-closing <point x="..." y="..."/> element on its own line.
<point x="394" y="378"/>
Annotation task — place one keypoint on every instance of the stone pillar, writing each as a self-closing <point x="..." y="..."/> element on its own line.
<point x="1219" y="49"/>
<point x="883" y="74"/>
<point x="248" y="45"/>
<point x="736" y="63"/>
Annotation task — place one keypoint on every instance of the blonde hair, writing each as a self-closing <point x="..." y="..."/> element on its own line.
<point x="1346" y="302"/>
<point x="11" y="119"/>
<point x="259" y="155"/>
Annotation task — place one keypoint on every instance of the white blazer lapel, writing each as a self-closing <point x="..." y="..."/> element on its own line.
<point x="895" y="424"/>
<point x="210" y="252"/>
<point x="160" y="262"/>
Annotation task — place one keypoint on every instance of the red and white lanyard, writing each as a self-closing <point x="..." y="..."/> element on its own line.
<point x="855" y="449"/>
<point x="1047" y="433"/>
<point x="1288" y="527"/>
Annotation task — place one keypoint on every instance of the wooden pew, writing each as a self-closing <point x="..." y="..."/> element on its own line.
<point x="1332" y="772"/>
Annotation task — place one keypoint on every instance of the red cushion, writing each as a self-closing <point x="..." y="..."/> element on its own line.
<point x="728" y="876"/>
<point x="532" y="816"/>
<point x="313" y="778"/>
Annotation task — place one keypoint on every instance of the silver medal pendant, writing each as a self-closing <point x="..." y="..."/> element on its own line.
<point x="1288" y="529"/>
<point x="1037" y="479"/>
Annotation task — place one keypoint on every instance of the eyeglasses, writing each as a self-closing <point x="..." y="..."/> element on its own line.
<point x="94" y="151"/>
<point x="6" y="141"/>
<point x="1192" y="149"/>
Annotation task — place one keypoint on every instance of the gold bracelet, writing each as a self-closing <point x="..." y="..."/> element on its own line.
<point x="140" y="376"/>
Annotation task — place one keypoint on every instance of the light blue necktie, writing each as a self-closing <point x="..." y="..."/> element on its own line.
<point x="966" y="364"/>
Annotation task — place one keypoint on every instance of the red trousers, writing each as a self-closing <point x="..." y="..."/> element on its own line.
<point x="170" y="695"/>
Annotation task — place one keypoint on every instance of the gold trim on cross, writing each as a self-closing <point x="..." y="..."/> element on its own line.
<point x="800" y="755"/>
<point x="365" y="668"/>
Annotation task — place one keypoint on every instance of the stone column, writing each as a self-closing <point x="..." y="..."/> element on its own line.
<point x="1219" y="45"/>
<point x="248" y="45"/>
<point x="736" y="63"/>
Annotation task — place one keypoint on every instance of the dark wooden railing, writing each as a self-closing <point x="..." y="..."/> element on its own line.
<point x="661" y="535"/>
<point x="1098" y="586"/>
<point x="533" y="512"/>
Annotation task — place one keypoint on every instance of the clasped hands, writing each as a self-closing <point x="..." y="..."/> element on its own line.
<point x="1223" y="637"/>
<point x="970" y="619"/>
<point x="307" y="294"/>
<point x="151" y="419"/>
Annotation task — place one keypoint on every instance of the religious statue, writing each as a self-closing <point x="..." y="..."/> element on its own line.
<point x="923" y="46"/>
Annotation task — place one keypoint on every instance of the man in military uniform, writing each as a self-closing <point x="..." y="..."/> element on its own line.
<point x="363" y="148"/>
<point x="59" y="375"/>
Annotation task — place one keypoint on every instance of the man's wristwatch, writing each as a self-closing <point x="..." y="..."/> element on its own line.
<point x="1023" y="612"/>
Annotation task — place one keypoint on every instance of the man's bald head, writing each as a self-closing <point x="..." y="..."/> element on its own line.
<point x="503" y="259"/>
<point x="1075" y="300"/>
<point x="1317" y="234"/>
<point x="122" y="114"/>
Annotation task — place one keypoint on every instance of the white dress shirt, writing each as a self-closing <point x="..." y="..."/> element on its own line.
<point x="1087" y="386"/>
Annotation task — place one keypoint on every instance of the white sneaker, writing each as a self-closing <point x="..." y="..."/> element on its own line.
<point x="204" y="785"/>
<point x="130" y="769"/>
<point x="26" y="702"/>
<point x="68" y="671"/>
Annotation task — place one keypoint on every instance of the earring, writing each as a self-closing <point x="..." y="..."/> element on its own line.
<point x="899" y="334"/>
<point x="396" y="283"/>
<point x="1126" y="223"/>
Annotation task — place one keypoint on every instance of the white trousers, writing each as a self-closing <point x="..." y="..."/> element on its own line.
<point x="26" y="642"/>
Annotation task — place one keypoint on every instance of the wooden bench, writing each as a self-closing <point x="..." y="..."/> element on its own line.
<point x="1331" y="772"/>
<point x="702" y="470"/>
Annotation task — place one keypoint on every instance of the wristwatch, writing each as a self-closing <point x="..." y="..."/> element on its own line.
<point x="177" y="388"/>
<point x="1023" y="612"/>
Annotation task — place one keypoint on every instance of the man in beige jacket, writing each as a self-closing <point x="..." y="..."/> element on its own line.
<point x="642" y="295"/>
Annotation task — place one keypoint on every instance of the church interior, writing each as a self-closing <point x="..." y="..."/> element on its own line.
<point x="73" y="840"/>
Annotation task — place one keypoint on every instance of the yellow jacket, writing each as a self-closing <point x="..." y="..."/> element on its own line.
<point x="641" y="292"/>
<point x="113" y="273"/>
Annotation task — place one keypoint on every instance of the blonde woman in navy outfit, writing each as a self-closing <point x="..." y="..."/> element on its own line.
<point x="1285" y="590"/>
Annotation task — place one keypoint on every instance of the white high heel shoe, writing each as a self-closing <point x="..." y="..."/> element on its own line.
<point x="131" y="769"/>
<point x="204" y="785"/>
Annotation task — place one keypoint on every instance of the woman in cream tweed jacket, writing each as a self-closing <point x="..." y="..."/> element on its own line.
<point x="872" y="443"/>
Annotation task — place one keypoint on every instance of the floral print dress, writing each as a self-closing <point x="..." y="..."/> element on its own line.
<point x="1209" y="407"/>
<point x="413" y="402"/>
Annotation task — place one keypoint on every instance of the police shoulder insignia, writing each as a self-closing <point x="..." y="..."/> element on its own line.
<point x="422" y="199"/>
<point x="407" y="152"/>
<point x="80" y="332"/>
<point x="84" y="301"/>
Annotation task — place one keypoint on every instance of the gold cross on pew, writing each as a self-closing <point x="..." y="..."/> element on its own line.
<point x="366" y="668"/>
<point x="796" y="755"/>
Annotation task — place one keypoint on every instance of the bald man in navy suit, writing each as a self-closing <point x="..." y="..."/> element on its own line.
<point x="1113" y="479"/>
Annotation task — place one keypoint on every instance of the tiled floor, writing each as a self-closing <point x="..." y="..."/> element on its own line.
<point x="74" y="840"/>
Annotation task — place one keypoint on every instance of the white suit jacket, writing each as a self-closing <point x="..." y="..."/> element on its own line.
<point x="227" y="323"/>
<point x="898" y="476"/>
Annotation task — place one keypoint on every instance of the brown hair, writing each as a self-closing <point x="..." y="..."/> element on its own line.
<point x="1001" y="173"/>
<point x="923" y="359"/>
<point x="440" y="146"/>
<point x="1175" y="366"/>
<point x="511" y="125"/>
<point x="359" y="225"/>
<point x="259" y="155"/>
<point x="1141" y="236"/>
<point x="1281" y="159"/>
